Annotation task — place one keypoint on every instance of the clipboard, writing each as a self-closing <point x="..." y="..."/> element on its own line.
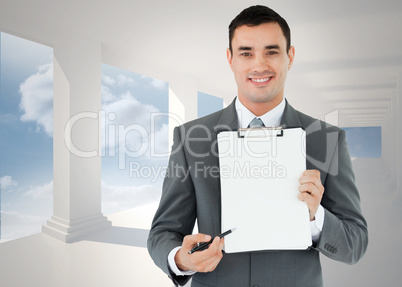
<point x="259" y="172"/>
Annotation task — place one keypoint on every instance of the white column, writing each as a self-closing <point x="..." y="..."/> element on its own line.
<point x="398" y="134"/>
<point x="76" y="159"/>
<point x="183" y="90"/>
<point x="390" y="141"/>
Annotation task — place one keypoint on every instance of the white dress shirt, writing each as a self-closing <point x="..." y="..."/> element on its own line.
<point x="270" y="119"/>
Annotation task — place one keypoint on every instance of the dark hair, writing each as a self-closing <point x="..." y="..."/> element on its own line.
<point x="256" y="15"/>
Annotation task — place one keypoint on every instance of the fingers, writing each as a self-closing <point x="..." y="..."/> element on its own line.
<point x="190" y="240"/>
<point x="307" y="198"/>
<point x="310" y="181"/>
<point x="313" y="172"/>
<point x="311" y="190"/>
<point x="200" y="261"/>
<point x="213" y="254"/>
<point x="216" y="246"/>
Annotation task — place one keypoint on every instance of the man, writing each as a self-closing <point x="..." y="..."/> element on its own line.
<point x="260" y="55"/>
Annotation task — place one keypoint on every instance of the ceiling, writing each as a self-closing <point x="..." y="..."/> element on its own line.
<point x="348" y="53"/>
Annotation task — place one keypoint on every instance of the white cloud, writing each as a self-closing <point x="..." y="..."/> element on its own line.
<point x="16" y="225"/>
<point x="134" y="118"/>
<point x="124" y="80"/>
<point x="6" y="182"/>
<point x="126" y="122"/>
<point x="107" y="95"/>
<point x="129" y="110"/>
<point x="158" y="84"/>
<point x="108" y="80"/>
<point x="117" y="198"/>
<point x="41" y="191"/>
<point x="162" y="140"/>
<point x="37" y="99"/>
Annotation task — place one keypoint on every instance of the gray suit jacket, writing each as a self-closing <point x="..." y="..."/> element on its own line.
<point x="191" y="191"/>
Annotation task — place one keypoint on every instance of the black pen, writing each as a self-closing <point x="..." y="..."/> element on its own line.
<point x="204" y="245"/>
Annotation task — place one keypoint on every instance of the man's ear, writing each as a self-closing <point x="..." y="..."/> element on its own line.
<point x="291" y="55"/>
<point x="229" y="57"/>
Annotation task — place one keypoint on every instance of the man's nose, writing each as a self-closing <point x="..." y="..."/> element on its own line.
<point x="260" y="63"/>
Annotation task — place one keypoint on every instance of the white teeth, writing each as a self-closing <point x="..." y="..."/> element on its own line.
<point x="260" y="80"/>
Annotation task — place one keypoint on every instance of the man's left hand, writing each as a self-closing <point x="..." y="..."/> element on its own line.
<point x="311" y="190"/>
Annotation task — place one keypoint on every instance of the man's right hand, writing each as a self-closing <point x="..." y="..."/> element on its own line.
<point x="200" y="261"/>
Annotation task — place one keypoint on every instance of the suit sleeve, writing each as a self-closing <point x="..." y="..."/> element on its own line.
<point x="176" y="214"/>
<point x="344" y="236"/>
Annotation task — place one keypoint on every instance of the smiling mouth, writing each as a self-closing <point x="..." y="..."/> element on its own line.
<point x="260" y="80"/>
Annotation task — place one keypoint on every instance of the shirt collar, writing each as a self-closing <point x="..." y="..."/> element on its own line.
<point x="271" y="118"/>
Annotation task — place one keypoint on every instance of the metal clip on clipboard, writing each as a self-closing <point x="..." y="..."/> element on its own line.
<point x="260" y="132"/>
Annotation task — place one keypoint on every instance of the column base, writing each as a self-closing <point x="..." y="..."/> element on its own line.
<point x="75" y="230"/>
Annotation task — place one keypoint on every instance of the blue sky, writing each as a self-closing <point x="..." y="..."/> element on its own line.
<point x="129" y="100"/>
<point x="364" y="141"/>
<point x="29" y="153"/>
<point x="208" y="104"/>
<point x="132" y="98"/>
<point x="25" y="145"/>
<point x="26" y="128"/>
<point x="26" y="136"/>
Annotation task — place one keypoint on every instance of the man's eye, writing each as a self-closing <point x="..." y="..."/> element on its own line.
<point x="246" y="54"/>
<point x="272" y="53"/>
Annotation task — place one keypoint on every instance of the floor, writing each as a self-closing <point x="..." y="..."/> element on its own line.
<point x="117" y="257"/>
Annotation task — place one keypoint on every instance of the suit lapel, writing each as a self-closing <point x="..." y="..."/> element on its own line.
<point x="228" y="119"/>
<point x="290" y="118"/>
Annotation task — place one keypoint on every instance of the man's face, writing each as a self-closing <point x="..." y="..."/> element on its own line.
<point x="260" y="63"/>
